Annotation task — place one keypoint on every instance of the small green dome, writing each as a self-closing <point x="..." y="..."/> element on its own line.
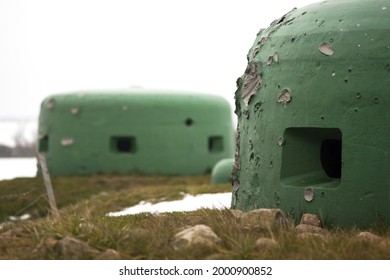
<point x="313" y="115"/>
<point x="222" y="171"/>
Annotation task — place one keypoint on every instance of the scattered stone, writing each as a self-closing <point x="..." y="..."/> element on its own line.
<point x="368" y="236"/>
<point x="71" y="248"/>
<point x="272" y="215"/>
<point x="197" y="235"/>
<point x="262" y="217"/>
<point x="109" y="254"/>
<point x="310" y="219"/>
<point x="302" y="228"/>
<point x="310" y="226"/>
<point x="266" y="244"/>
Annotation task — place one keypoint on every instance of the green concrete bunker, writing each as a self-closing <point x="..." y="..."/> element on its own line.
<point x="134" y="131"/>
<point x="313" y="115"/>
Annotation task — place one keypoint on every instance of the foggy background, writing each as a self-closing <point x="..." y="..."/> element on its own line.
<point x="53" y="46"/>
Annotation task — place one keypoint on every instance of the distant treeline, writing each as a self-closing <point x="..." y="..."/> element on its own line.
<point x="26" y="150"/>
<point x="22" y="147"/>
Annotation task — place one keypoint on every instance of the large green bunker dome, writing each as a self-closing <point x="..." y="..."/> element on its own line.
<point x="313" y="111"/>
<point x="136" y="130"/>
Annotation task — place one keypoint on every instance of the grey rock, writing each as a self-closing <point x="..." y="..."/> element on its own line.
<point x="302" y="228"/>
<point x="109" y="254"/>
<point x="310" y="219"/>
<point x="368" y="236"/>
<point x="71" y="248"/>
<point x="263" y="218"/>
<point x="197" y="235"/>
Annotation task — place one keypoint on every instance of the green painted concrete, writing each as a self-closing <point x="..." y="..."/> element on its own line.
<point x="134" y="131"/>
<point x="313" y="115"/>
<point x="222" y="171"/>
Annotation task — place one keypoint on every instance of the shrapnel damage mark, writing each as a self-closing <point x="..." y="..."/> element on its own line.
<point x="273" y="58"/>
<point x="276" y="57"/>
<point x="309" y="194"/>
<point x="326" y="49"/>
<point x="252" y="82"/>
<point x="67" y="141"/>
<point x="270" y="60"/>
<point x="236" y="170"/>
<point x="74" y="110"/>
<point x="283" y="18"/>
<point x="285" y="96"/>
<point x="50" y="103"/>
<point x="257" y="106"/>
<point x="259" y="44"/>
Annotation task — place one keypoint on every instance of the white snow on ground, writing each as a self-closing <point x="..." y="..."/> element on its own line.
<point x="11" y="168"/>
<point x="188" y="203"/>
<point x="27" y="167"/>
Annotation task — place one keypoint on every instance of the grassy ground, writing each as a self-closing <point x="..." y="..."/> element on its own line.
<point x="84" y="201"/>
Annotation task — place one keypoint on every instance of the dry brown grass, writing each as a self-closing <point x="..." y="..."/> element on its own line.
<point x="84" y="203"/>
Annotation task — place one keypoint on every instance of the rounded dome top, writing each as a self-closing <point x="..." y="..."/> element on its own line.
<point x="136" y="97"/>
<point x="320" y="48"/>
<point x="344" y="28"/>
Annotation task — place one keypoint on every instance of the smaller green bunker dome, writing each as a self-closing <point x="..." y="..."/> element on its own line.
<point x="137" y="130"/>
<point x="222" y="171"/>
<point x="313" y="111"/>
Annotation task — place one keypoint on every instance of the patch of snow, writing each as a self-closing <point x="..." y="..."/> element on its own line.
<point x="24" y="217"/>
<point x="188" y="203"/>
<point x="11" y="168"/>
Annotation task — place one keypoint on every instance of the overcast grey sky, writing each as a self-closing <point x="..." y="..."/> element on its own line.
<point x="56" y="46"/>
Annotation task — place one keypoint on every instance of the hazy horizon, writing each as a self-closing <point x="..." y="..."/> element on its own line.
<point x="49" y="47"/>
